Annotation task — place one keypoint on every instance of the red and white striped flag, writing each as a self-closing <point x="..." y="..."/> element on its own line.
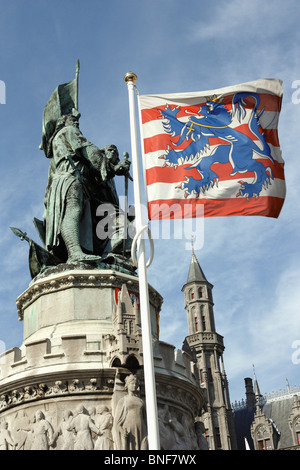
<point x="216" y="150"/>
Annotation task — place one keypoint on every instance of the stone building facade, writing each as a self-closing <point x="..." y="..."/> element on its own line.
<point x="81" y="365"/>
<point x="76" y="382"/>
<point x="270" y="421"/>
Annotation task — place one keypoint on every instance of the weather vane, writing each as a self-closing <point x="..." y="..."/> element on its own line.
<point x="192" y="242"/>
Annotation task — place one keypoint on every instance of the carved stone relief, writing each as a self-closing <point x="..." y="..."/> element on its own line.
<point x="51" y="389"/>
<point x="177" y="430"/>
<point x="80" y="415"/>
<point x="75" y="429"/>
<point x="130" y="419"/>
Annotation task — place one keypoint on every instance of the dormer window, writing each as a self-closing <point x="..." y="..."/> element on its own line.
<point x="263" y="438"/>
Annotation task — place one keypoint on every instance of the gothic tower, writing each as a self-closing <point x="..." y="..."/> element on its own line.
<point x="207" y="347"/>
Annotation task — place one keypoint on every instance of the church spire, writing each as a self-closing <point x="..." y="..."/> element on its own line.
<point x="258" y="395"/>
<point x="206" y="346"/>
<point x="195" y="271"/>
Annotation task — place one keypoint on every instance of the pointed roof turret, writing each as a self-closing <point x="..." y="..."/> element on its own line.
<point x="258" y="395"/>
<point x="195" y="271"/>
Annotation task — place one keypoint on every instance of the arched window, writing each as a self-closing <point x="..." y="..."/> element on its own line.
<point x="132" y="364"/>
<point x="203" y="318"/>
<point x="116" y="362"/>
<point x="195" y="319"/>
<point x="191" y="294"/>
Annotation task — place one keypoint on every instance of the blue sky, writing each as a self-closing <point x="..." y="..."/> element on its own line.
<point x="173" y="47"/>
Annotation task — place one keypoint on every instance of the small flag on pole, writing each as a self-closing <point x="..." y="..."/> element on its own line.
<point x="217" y="150"/>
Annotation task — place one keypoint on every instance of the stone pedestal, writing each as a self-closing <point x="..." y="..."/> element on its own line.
<point x="82" y="338"/>
<point x="78" y="302"/>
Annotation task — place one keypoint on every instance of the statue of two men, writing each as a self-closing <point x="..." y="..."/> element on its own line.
<point x="80" y="195"/>
<point x="81" y="177"/>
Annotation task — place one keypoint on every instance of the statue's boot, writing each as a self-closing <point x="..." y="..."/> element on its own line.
<point x="70" y="227"/>
<point x="80" y="256"/>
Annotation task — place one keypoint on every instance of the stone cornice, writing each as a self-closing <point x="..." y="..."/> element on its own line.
<point x="80" y="278"/>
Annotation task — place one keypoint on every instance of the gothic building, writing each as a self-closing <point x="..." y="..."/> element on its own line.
<point x="207" y="348"/>
<point x="270" y="422"/>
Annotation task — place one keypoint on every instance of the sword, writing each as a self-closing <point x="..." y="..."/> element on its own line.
<point x="20" y="234"/>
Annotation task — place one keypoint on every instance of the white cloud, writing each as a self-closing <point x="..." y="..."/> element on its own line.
<point x="241" y="21"/>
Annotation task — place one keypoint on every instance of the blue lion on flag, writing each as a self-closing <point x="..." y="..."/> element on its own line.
<point x="189" y="143"/>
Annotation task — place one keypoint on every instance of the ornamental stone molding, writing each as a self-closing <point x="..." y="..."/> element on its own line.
<point x="78" y="279"/>
<point x="78" y="302"/>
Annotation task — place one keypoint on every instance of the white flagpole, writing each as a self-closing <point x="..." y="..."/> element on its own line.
<point x="149" y="376"/>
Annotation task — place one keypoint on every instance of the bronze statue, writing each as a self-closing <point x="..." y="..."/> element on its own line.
<point x="80" y="180"/>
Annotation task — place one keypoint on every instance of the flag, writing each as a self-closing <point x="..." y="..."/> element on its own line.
<point x="62" y="101"/>
<point x="216" y="150"/>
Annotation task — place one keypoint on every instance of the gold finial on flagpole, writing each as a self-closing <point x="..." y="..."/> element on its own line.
<point x="130" y="77"/>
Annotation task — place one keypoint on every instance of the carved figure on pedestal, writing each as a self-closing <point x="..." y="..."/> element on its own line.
<point x="42" y="432"/>
<point x="190" y="433"/>
<point x="63" y="431"/>
<point x="179" y="433"/>
<point x="83" y="427"/>
<point x="23" y="430"/>
<point x="129" y="421"/>
<point x="166" y="433"/>
<point x="103" y="421"/>
<point x="6" y="440"/>
<point x="200" y="429"/>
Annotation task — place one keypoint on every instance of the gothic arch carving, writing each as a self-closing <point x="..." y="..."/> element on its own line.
<point x="132" y="363"/>
<point x="116" y="362"/>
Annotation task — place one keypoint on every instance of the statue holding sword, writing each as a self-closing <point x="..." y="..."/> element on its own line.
<point x="80" y="180"/>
